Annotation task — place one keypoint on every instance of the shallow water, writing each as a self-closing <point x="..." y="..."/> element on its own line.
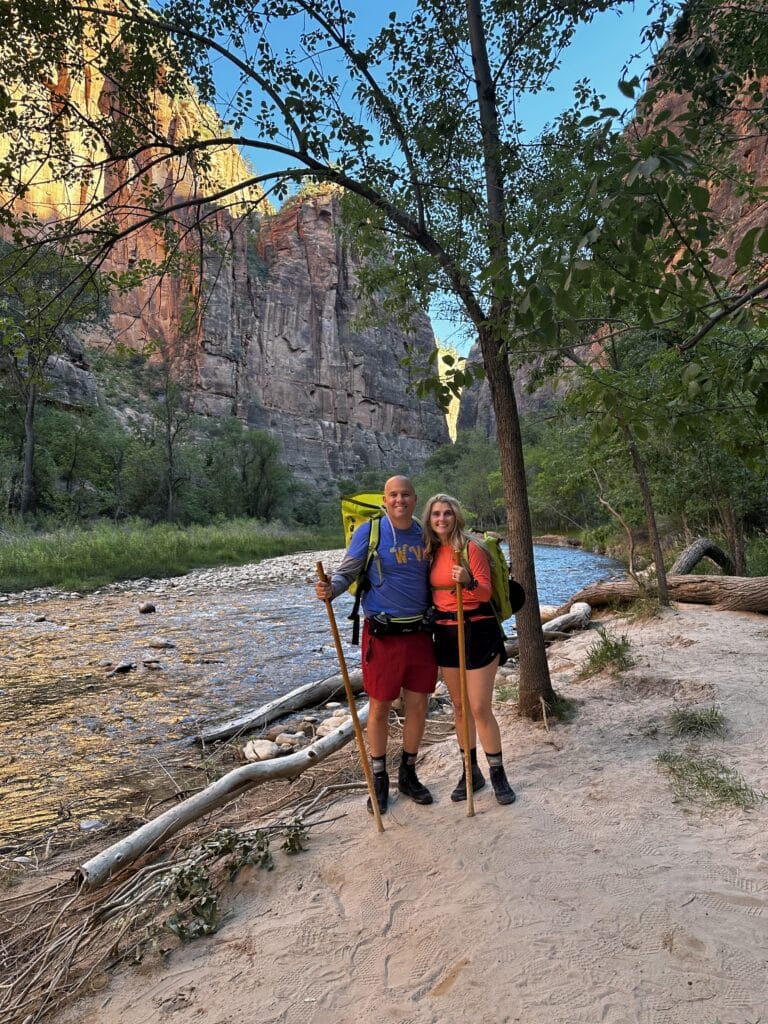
<point x="77" y="744"/>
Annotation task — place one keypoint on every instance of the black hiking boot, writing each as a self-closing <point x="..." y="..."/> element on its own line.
<point x="501" y="787"/>
<point x="478" y="781"/>
<point x="381" y="789"/>
<point x="409" y="785"/>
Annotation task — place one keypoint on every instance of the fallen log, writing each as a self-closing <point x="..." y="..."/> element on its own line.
<point x="577" y="617"/>
<point x="702" y="547"/>
<point x="726" y="593"/>
<point x="304" y="696"/>
<point x="104" y="865"/>
<point x="558" y="627"/>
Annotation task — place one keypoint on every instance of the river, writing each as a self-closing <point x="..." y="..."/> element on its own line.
<point x="80" y="746"/>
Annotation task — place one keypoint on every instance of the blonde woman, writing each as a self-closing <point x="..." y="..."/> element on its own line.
<point x="444" y="534"/>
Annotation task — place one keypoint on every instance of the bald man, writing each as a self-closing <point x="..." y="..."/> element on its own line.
<point x="397" y="653"/>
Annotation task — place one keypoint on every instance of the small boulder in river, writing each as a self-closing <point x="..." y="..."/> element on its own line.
<point x="146" y="608"/>
<point x="260" y="750"/>
<point x="160" y="644"/>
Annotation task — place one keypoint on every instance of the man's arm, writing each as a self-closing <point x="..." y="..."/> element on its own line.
<point x="351" y="566"/>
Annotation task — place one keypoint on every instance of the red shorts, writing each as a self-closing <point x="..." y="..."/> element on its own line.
<point x="392" y="663"/>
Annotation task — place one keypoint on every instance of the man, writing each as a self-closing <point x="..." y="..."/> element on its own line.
<point x="397" y="654"/>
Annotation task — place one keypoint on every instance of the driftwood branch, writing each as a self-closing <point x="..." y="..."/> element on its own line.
<point x="728" y="593"/>
<point x="702" y="547"/>
<point x="103" y="866"/>
<point x="302" y="697"/>
<point x="559" y="627"/>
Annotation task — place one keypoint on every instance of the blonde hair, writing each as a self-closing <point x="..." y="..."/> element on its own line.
<point x="457" y="539"/>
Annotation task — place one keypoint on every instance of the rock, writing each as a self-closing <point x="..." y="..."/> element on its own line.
<point x="121" y="667"/>
<point x="331" y="724"/>
<point x="146" y="608"/>
<point x="293" y="739"/>
<point x="39" y="618"/>
<point x="332" y="704"/>
<point x="160" y="644"/>
<point x="90" y="824"/>
<point x="260" y="750"/>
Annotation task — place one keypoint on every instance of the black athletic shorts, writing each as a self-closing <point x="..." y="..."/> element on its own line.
<point x="483" y="641"/>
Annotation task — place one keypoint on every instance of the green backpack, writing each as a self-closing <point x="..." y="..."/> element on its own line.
<point x="507" y="596"/>
<point x="356" y="510"/>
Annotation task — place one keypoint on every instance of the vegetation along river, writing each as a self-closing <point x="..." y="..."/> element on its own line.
<point x="82" y="744"/>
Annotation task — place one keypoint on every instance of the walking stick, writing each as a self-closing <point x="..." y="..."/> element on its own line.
<point x="464" y="697"/>
<point x="352" y="706"/>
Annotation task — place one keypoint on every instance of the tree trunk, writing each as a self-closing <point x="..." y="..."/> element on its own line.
<point x="734" y="535"/>
<point x="535" y="684"/>
<point x="702" y="547"/>
<point x="650" y="516"/>
<point x="27" y="481"/>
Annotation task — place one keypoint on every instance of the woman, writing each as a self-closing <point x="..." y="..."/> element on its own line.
<point x="484" y="642"/>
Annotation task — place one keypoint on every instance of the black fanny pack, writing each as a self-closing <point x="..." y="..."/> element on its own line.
<point x="385" y="625"/>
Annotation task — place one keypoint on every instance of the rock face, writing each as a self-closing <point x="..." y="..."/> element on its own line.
<point x="476" y="410"/>
<point x="274" y="342"/>
<point x="279" y="347"/>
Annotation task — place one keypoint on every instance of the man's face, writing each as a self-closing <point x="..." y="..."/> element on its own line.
<point x="399" y="500"/>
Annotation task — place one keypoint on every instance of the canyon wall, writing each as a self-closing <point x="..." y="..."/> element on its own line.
<point x="260" y="321"/>
<point x="280" y="347"/>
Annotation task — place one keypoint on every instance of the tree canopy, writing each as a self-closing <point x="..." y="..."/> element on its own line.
<point x="418" y="125"/>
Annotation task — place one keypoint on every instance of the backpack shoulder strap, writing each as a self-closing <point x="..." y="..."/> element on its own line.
<point x="362" y="581"/>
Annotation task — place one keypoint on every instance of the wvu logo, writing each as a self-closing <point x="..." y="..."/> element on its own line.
<point x="404" y="551"/>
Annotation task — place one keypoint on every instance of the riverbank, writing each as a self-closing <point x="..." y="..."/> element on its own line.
<point x="601" y="895"/>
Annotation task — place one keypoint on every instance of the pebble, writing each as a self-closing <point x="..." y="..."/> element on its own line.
<point x="146" y="608"/>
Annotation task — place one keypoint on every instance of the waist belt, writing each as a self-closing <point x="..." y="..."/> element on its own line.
<point x="483" y="611"/>
<point x="385" y="625"/>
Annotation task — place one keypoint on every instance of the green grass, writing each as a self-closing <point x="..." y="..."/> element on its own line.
<point x="696" y="722"/>
<point x="706" y="779"/>
<point x="82" y="559"/>
<point x="561" y="708"/>
<point x="644" y="609"/>
<point x="505" y="693"/>
<point x="609" y="652"/>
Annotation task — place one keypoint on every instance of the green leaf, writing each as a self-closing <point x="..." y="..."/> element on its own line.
<point x="691" y="372"/>
<point x="699" y="197"/>
<point x="743" y="254"/>
<point x="627" y="87"/>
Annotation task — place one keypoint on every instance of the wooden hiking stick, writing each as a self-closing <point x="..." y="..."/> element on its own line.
<point x="463" y="685"/>
<point x="352" y="706"/>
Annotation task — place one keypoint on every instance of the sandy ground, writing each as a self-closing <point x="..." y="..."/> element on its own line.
<point x="596" y="898"/>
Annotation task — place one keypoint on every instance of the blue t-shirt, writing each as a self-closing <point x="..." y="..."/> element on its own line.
<point x="398" y="572"/>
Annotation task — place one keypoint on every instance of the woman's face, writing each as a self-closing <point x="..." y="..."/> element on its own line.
<point x="442" y="519"/>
